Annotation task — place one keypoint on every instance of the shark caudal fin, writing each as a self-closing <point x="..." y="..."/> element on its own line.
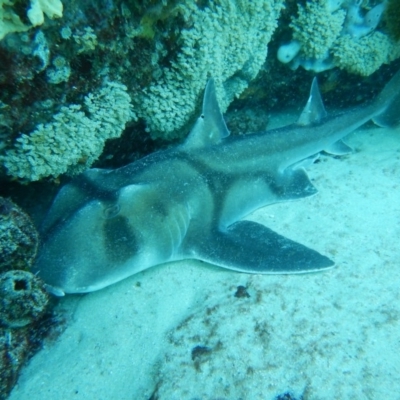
<point x="388" y="104"/>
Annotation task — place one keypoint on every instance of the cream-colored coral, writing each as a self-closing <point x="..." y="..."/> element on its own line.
<point x="74" y="139"/>
<point x="365" y="55"/>
<point x="52" y="8"/>
<point x="316" y="28"/>
<point x="226" y="39"/>
<point x="10" y="22"/>
<point x="87" y="41"/>
<point x="336" y="33"/>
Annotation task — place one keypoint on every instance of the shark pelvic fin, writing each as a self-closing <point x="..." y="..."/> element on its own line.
<point x="314" y="111"/>
<point x="339" y="148"/>
<point x="210" y="127"/>
<point x="250" y="247"/>
<point x="293" y="183"/>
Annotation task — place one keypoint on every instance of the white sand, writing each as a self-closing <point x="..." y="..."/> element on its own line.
<point x="331" y="335"/>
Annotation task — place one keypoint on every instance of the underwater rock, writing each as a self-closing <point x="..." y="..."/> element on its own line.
<point x="13" y="351"/>
<point x="287" y="396"/>
<point x="17" y="346"/>
<point x="23" y="300"/>
<point x="18" y="237"/>
<point x="200" y="354"/>
<point x="241" y="292"/>
<point x="25" y="319"/>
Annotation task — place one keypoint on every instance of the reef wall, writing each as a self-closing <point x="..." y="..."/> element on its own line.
<point x="25" y="316"/>
<point x="78" y="74"/>
<point x="155" y="56"/>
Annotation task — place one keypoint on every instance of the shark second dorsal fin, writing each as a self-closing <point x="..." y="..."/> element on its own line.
<point x="314" y="110"/>
<point x="210" y="127"/>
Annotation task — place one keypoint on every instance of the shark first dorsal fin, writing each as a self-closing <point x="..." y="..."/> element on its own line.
<point x="314" y="110"/>
<point x="210" y="127"/>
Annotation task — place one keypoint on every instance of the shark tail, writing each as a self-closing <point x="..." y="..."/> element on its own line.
<point x="388" y="104"/>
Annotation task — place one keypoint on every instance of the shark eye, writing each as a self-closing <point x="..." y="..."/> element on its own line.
<point x="112" y="211"/>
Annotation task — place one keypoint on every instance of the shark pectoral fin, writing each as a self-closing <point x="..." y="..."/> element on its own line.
<point x="339" y="148"/>
<point x="253" y="248"/>
<point x="293" y="184"/>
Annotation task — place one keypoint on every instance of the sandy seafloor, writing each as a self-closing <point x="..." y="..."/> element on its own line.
<point x="330" y="335"/>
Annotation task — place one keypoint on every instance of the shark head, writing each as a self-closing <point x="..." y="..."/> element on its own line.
<point x="92" y="240"/>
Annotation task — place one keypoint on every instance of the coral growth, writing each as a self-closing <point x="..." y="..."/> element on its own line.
<point x="13" y="348"/>
<point x="333" y="33"/>
<point x="374" y="50"/>
<point x="11" y="22"/>
<point x="73" y="141"/>
<point x="52" y="9"/>
<point x="18" y="237"/>
<point x="316" y="28"/>
<point x="23" y="298"/>
<point x="163" y="51"/>
<point x="25" y="319"/>
<point x="19" y="345"/>
<point x="227" y="40"/>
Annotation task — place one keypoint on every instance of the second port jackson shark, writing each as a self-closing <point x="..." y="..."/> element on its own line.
<point x="188" y="202"/>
